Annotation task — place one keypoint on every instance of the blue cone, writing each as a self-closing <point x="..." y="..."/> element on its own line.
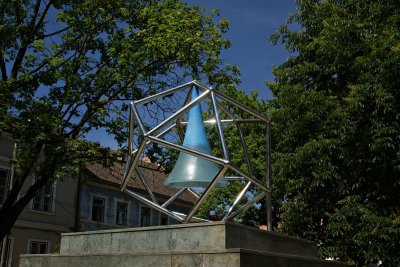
<point x="191" y="171"/>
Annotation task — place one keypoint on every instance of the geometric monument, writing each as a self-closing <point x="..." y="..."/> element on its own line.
<point x="196" y="167"/>
<point x="204" y="244"/>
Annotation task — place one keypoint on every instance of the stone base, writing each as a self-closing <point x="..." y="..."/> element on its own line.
<point x="200" y="244"/>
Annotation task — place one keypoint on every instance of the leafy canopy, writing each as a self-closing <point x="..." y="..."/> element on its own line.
<point x="336" y="114"/>
<point x="64" y="65"/>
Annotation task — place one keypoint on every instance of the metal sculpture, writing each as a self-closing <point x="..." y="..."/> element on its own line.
<point x="196" y="166"/>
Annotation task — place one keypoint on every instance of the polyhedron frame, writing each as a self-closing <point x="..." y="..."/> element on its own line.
<point x="174" y="121"/>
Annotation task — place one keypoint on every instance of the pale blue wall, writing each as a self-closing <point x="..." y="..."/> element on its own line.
<point x="111" y="196"/>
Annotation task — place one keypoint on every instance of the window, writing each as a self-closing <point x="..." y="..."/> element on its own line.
<point x="38" y="247"/>
<point x="3" y="185"/>
<point x="98" y="209"/>
<point x="145" y="214"/>
<point x="44" y="199"/>
<point x="121" y="213"/>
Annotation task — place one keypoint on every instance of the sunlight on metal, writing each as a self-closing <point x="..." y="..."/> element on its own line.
<point x="173" y="124"/>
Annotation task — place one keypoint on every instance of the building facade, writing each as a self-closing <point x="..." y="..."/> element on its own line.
<point x="102" y="205"/>
<point x="92" y="201"/>
<point x="50" y="213"/>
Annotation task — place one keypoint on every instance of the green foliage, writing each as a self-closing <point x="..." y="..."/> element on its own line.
<point x="336" y="135"/>
<point x="64" y="65"/>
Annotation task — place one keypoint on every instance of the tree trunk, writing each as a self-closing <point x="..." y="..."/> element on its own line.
<point x="10" y="211"/>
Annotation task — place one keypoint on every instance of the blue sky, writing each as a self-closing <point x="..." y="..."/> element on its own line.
<point x="251" y="22"/>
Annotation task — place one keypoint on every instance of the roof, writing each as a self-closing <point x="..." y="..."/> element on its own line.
<point x="152" y="173"/>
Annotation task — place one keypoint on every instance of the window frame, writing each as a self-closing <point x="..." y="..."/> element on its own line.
<point x="30" y="241"/>
<point x="53" y="199"/>
<point x="93" y="196"/>
<point x="116" y="212"/>
<point x="140" y="215"/>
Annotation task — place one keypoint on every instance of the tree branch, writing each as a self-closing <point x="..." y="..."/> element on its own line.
<point x="53" y="33"/>
<point x="31" y="32"/>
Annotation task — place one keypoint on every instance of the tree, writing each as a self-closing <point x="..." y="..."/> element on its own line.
<point x="336" y="114"/>
<point x="65" y="63"/>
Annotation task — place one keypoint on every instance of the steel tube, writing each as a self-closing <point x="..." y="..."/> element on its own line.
<point x="193" y="192"/>
<point x="205" y="194"/>
<point x="199" y="84"/>
<point x="173" y="197"/>
<point x="237" y="200"/>
<point x="188" y="151"/>
<point x="146" y="185"/>
<point x="158" y="135"/>
<point x="179" y="119"/>
<point x="227" y="121"/>
<point x="249" y="178"/>
<point x="268" y="200"/>
<point x="127" y="166"/>
<point x="131" y="127"/>
<point x="132" y="167"/>
<point x="240" y="178"/>
<point x="241" y="106"/>
<point x="139" y="120"/>
<point x="246" y="155"/>
<point x="164" y="93"/>
<point x="194" y="219"/>
<point x="247" y="205"/>
<point x="219" y="127"/>
<point x="180" y="112"/>
<point x="244" y="145"/>
<point x="154" y="206"/>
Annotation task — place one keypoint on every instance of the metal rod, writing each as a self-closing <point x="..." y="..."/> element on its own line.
<point x="173" y="197"/>
<point x="133" y="165"/>
<point x="194" y="219"/>
<point x="249" y="178"/>
<point x="202" y="86"/>
<point x="205" y="194"/>
<point x="179" y="119"/>
<point x="268" y="200"/>
<point x="242" y="140"/>
<point x="193" y="192"/>
<point x="158" y="135"/>
<point x="241" y="106"/>
<point x="146" y="185"/>
<point x="247" y="157"/>
<point x="234" y="178"/>
<point x="188" y="150"/>
<point x="131" y="127"/>
<point x="219" y="127"/>
<point x="227" y="121"/>
<point x="180" y="112"/>
<point x="237" y="200"/>
<point x="164" y="93"/>
<point x="130" y="162"/>
<point x="153" y="205"/>
<point x="128" y="165"/>
<point x="139" y="120"/>
<point x="246" y="206"/>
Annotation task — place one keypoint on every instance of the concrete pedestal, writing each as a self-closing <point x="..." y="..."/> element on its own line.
<point x="200" y="244"/>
